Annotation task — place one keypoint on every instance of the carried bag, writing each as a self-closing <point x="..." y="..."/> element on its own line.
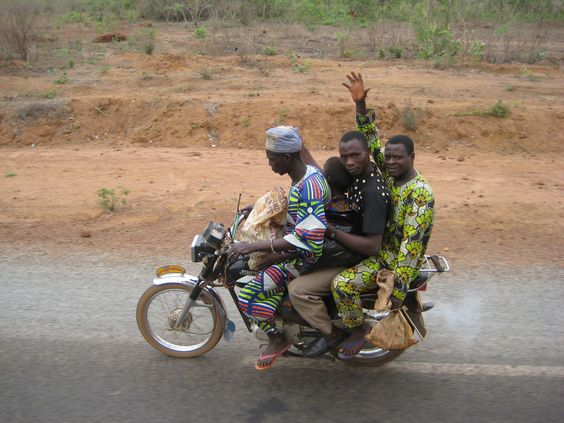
<point x="266" y="221"/>
<point x="393" y="332"/>
<point x="385" y="280"/>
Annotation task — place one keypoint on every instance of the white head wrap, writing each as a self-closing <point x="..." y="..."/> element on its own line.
<point x="283" y="139"/>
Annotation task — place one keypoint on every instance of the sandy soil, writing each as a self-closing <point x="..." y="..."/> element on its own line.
<point x="501" y="210"/>
<point x="186" y="146"/>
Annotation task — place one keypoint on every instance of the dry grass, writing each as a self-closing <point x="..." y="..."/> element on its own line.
<point x="17" y="24"/>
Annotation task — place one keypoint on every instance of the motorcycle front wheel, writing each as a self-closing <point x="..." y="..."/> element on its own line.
<point x="157" y="311"/>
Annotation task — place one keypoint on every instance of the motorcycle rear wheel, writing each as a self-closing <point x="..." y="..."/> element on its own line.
<point x="157" y="310"/>
<point x="369" y="356"/>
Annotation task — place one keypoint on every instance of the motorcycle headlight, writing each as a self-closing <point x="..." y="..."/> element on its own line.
<point x="213" y="235"/>
<point x="200" y="248"/>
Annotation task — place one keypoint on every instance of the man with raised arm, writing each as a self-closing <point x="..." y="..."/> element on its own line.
<point x="407" y="231"/>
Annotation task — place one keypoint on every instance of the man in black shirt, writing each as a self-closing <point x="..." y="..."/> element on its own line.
<point x="368" y="196"/>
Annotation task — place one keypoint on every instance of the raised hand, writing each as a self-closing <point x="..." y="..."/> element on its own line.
<point x="356" y="87"/>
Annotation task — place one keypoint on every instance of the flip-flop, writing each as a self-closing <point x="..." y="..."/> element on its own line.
<point x="272" y="357"/>
<point x="355" y="345"/>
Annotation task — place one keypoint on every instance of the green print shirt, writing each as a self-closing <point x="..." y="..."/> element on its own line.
<point x="409" y="227"/>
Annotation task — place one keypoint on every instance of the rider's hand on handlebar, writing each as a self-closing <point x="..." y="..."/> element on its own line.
<point x="239" y="249"/>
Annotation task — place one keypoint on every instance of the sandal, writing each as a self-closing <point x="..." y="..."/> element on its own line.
<point x="266" y="361"/>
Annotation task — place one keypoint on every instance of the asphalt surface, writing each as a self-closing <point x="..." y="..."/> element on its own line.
<point x="70" y="351"/>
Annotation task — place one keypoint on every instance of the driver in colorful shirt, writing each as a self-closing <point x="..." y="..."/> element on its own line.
<point x="308" y="196"/>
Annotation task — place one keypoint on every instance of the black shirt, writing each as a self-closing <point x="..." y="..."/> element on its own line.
<point x="370" y="198"/>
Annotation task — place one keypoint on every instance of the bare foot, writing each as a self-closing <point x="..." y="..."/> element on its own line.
<point x="353" y="344"/>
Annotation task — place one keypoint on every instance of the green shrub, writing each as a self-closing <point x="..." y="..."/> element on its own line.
<point x="299" y="67"/>
<point x="206" y="73"/>
<point x="477" y="49"/>
<point x="148" y="38"/>
<point x="62" y="80"/>
<point x="109" y="199"/>
<point x="201" y="33"/>
<point x="396" y="52"/>
<point x="341" y="43"/>
<point x="148" y="48"/>
<point x="281" y="118"/>
<point x="408" y="117"/>
<point x="533" y="56"/>
<point x="499" y="110"/>
<point x="48" y="95"/>
<point x="104" y="69"/>
<point x="72" y="16"/>
<point x="269" y="51"/>
<point x="435" y="42"/>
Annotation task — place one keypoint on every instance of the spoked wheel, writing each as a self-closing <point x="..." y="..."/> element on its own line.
<point x="157" y="312"/>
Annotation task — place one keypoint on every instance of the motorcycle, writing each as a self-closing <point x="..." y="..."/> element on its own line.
<point x="182" y="315"/>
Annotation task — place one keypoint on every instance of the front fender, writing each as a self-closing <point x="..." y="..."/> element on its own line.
<point x="191" y="281"/>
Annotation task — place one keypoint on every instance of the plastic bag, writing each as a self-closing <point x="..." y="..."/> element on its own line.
<point x="266" y="221"/>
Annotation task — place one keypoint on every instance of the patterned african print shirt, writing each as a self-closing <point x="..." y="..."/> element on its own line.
<point x="409" y="228"/>
<point x="306" y="214"/>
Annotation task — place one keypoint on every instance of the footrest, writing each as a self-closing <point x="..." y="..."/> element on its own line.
<point x="427" y="306"/>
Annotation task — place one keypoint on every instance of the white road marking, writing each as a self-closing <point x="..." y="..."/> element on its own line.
<point x="478" y="369"/>
<point x="412" y="367"/>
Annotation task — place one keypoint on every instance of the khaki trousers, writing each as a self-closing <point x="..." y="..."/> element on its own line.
<point x="306" y="294"/>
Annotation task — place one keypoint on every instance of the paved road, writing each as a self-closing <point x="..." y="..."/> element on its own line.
<point x="70" y="351"/>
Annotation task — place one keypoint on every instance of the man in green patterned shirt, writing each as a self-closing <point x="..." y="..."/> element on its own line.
<point x="407" y="231"/>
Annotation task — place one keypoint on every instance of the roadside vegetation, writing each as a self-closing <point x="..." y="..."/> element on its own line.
<point x="111" y="198"/>
<point x="499" y="110"/>
<point x="439" y="31"/>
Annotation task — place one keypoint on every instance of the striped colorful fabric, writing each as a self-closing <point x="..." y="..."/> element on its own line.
<point x="261" y="297"/>
<point x="306" y="214"/>
<point x="305" y="229"/>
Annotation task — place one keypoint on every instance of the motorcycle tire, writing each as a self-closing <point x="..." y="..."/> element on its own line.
<point x="201" y="332"/>
<point x="369" y="357"/>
